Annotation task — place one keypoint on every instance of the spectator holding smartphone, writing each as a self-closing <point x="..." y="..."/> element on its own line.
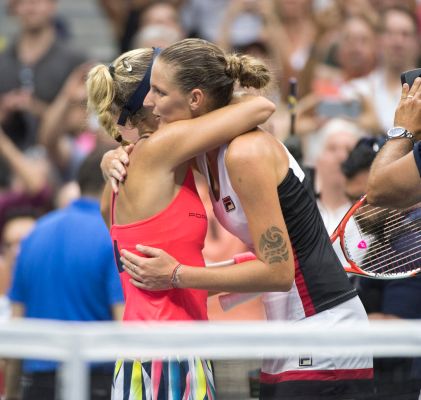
<point x="394" y="179"/>
<point x="392" y="299"/>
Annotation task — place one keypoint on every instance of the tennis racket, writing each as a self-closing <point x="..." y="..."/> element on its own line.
<point x="378" y="243"/>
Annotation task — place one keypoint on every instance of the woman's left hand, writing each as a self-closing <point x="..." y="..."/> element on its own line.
<point x="114" y="164"/>
<point x="153" y="272"/>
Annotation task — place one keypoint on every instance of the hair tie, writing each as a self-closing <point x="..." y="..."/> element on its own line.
<point x="111" y="70"/>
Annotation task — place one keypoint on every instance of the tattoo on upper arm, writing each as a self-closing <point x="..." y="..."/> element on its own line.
<point x="273" y="246"/>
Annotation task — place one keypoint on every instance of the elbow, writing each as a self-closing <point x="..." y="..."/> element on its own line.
<point x="284" y="281"/>
<point x="268" y="107"/>
<point x="382" y="196"/>
<point x="36" y="185"/>
<point x="376" y="192"/>
<point x="373" y="197"/>
<point x="388" y="189"/>
<point x="287" y="286"/>
<point x="389" y="200"/>
<point x="271" y="108"/>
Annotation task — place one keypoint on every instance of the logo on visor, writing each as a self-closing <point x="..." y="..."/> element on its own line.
<point x="228" y="204"/>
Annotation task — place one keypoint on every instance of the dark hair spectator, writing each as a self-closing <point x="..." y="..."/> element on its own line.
<point x="361" y="156"/>
<point x="89" y="176"/>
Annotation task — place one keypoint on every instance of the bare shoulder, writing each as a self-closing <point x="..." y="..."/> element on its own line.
<point x="254" y="150"/>
<point x="257" y="143"/>
<point x="151" y="149"/>
<point x="147" y="154"/>
<point x="144" y="167"/>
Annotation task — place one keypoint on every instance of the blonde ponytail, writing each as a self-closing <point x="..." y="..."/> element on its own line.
<point x="109" y="93"/>
<point x="101" y="94"/>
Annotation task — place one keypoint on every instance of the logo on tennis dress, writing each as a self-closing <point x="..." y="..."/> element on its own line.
<point x="197" y="215"/>
<point x="305" y="361"/>
<point x="228" y="204"/>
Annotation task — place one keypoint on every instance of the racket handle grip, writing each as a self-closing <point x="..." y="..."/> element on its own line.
<point x="230" y="300"/>
<point x="243" y="257"/>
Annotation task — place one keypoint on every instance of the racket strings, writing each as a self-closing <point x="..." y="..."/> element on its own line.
<point x="384" y="241"/>
<point x="386" y="232"/>
<point x="387" y="260"/>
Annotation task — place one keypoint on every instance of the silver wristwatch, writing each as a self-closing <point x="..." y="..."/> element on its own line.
<point x="398" y="132"/>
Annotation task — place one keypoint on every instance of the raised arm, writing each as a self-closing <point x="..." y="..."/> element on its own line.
<point x="33" y="179"/>
<point x="184" y="138"/>
<point x="254" y="162"/>
<point x="394" y="179"/>
<point x="52" y="133"/>
<point x="181" y="141"/>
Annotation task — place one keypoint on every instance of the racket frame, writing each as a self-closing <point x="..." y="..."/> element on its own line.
<point x="353" y="268"/>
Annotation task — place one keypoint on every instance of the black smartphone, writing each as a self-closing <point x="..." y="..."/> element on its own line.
<point x="410" y="76"/>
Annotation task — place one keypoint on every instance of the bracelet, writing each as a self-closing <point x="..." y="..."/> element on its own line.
<point x="174" y="281"/>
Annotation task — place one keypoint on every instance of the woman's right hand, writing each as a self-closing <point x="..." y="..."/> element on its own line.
<point x="114" y="165"/>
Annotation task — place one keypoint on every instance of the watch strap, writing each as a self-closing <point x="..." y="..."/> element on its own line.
<point x="405" y="135"/>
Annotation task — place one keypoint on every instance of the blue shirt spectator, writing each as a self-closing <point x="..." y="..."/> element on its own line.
<point x="66" y="271"/>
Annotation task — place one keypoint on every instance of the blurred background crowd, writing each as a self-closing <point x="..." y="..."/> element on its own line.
<point x="347" y="57"/>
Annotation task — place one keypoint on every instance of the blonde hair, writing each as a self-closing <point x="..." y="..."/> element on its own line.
<point x="200" y="64"/>
<point x="110" y="88"/>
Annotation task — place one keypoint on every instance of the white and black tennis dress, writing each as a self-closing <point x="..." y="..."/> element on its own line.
<point x="321" y="291"/>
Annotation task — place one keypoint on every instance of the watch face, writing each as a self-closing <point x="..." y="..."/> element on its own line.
<point x="397" y="131"/>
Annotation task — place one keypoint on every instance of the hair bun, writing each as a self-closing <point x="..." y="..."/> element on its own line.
<point x="234" y="67"/>
<point x="249" y="71"/>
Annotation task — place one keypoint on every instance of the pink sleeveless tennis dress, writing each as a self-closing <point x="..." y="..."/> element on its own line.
<point x="180" y="230"/>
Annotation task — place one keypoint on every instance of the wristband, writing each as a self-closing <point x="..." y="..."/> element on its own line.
<point x="173" y="281"/>
<point x="243" y="257"/>
<point x="417" y="156"/>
